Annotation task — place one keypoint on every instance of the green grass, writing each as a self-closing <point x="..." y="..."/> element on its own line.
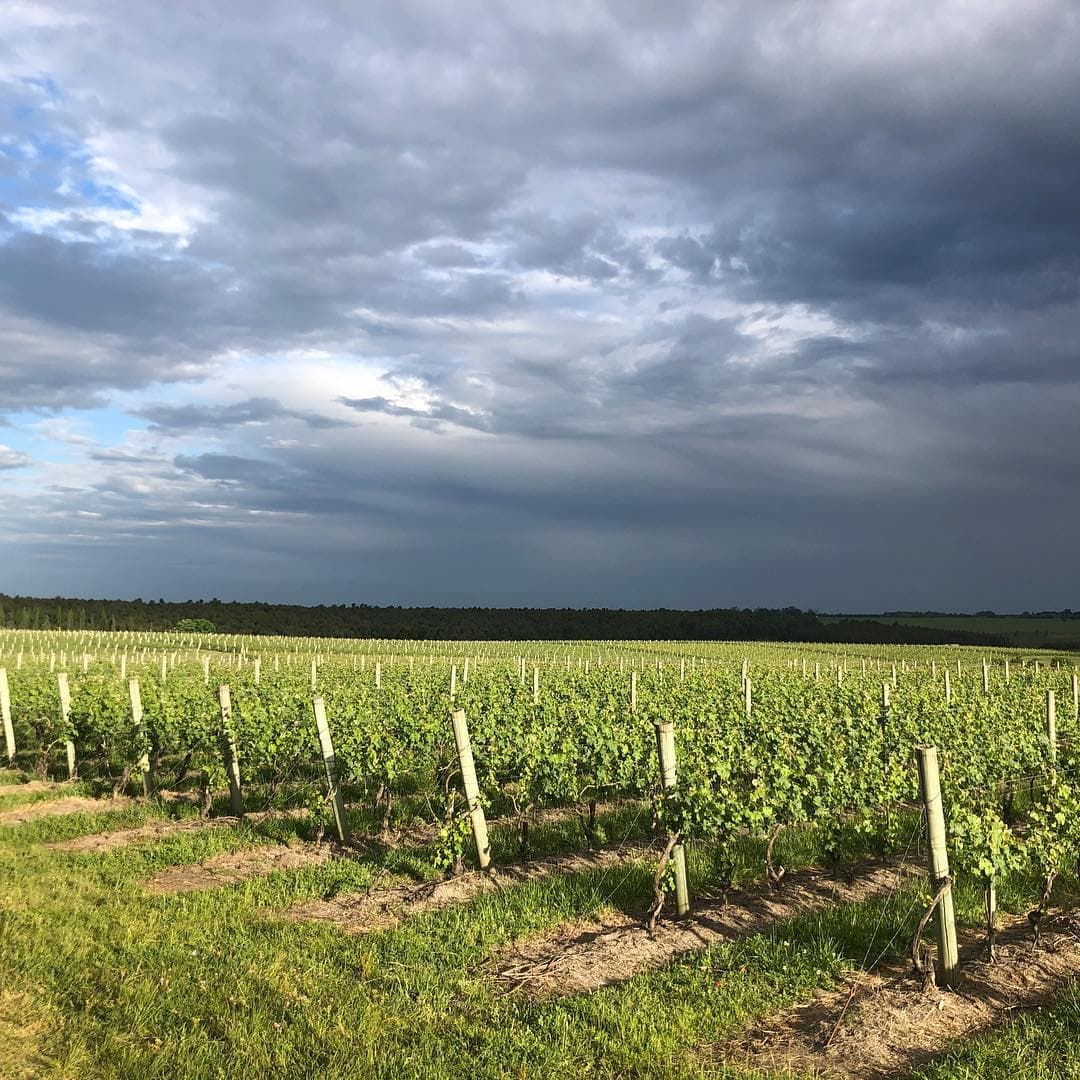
<point x="112" y="982"/>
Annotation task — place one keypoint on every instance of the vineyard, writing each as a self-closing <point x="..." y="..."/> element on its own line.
<point x="618" y="824"/>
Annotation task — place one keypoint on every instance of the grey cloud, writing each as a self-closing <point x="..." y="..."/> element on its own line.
<point x="448" y="255"/>
<point x="14" y="459"/>
<point x="440" y="412"/>
<point x="193" y="417"/>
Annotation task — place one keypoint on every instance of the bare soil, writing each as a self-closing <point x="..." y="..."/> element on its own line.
<point x="29" y="787"/>
<point x="583" y="956"/>
<point x="233" y="867"/>
<point x="882" y="1024"/>
<point x="384" y="908"/>
<point x="98" y="843"/>
<point x="109" y="841"/>
<point x="73" y="804"/>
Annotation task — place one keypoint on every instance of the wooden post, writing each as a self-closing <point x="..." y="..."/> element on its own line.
<point x="633" y="691"/>
<point x="1076" y="696"/>
<point x="341" y="823"/>
<point x="748" y="697"/>
<point x="453" y="681"/>
<point x="258" y="670"/>
<point x="378" y="675"/>
<point x="944" y="915"/>
<point x="314" y="674"/>
<point x="5" y="712"/>
<point x="948" y="688"/>
<point x="228" y="753"/>
<point x="472" y="788"/>
<point x="1051" y="724"/>
<point x="1006" y="669"/>
<point x="665" y="751"/>
<point x="136" y="720"/>
<point x="65" y="720"/>
<point x="536" y="686"/>
<point x="986" y="677"/>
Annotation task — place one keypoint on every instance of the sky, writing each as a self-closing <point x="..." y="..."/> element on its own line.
<point x="631" y="304"/>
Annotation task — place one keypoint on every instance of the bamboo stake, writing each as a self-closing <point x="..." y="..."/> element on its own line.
<point x="665" y="751"/>
<point x="228" y="753"/>
<point x="472" y="788"/>
<point x="1051" y="724"/>
<point x="341" y="823"/>
<point x="136" y="720"/>
<point x="944" y="914"/>
<point x="65" y="719"/>
<point x="5" y="711"/>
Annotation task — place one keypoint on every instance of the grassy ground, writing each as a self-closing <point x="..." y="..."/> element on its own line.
<point x="1024" y="633"/>
<point x="101" y="979"/>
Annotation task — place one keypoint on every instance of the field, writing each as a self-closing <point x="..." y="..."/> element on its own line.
<point x="1022" y="632"/>
<point x="182" y="896"/>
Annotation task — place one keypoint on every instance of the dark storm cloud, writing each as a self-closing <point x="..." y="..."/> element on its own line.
<point x="191" y="417"/>
<point x="691" y="303"/>
<point x="423" y="417"/>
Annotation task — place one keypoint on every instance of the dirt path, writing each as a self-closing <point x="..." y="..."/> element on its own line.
<point x="882" y="1025"/>
<point x="29" y="787"/>
<point x="73" y="804"/>
<point x="236" y="866"/>
<point x="580" y="957"/>
<point x="99" y="843"/>
<point x="383" y="908"/>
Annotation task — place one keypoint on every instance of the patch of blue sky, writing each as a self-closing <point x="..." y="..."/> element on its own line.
<point x="51" y="163"/>
<point x="45" y="84"/>
<point x="105" y="195"/>
<point x="104" y="427"/>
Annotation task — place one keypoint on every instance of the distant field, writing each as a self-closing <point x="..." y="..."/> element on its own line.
<point x="1023" y="632"/>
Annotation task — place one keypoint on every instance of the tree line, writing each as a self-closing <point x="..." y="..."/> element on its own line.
<point x="475" y="624"/>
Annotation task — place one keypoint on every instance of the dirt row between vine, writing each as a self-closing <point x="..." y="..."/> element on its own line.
<point x="583" y="956"/>
<point x="109" y="840"/>
<point x="69" y="804"/>
<point x="234" y="867"/>
<point x="29" y="787"/>
<point x="102" y="842"/>
<point x="880" y="1025"/>
<point x="384" y="908"/>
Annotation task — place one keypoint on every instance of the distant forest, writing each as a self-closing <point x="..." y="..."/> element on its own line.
<point x="476" y="624"/>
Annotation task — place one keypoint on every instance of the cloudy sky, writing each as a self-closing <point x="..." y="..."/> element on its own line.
<point x="633" y="304"/>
